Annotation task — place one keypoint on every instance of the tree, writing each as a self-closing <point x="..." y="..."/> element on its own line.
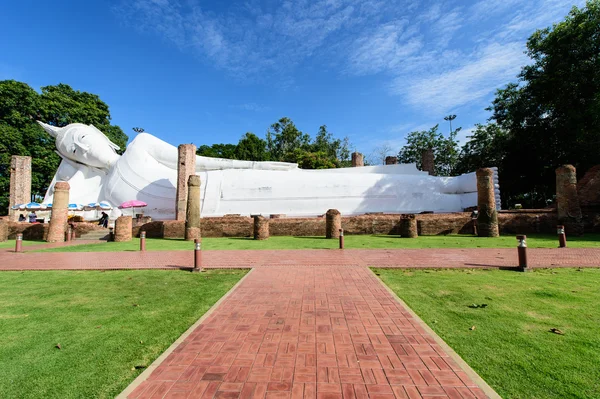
<point x="486" y="147"/>
<point x="552" y="115"/>
<point x="21" y="106"/>
<point x="378" y="155"/>
<point x="227" y="151"/>
<point x="445" y="149"/>
<point x="252" y="148"/>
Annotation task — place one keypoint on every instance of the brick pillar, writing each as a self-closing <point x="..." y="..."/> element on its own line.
<point x="357" y="159"/>
<point x="428" y="162"/>
<point x="58" y="220"/>
<point x="408" y="226"/>
<point x="391" y="160"/>
<point x="186" y="167"/>
<point x="20" y="184"/>
<point x="567" y="200"/>
<point x="487" y="218"/>
<point x="192" y="220"/>
<point x="333" y="223"/>
<point x="3" y="229"/>
<point x="123" y="228"/>
<point x="261" y="227"/>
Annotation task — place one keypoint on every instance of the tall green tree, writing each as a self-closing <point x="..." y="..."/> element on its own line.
<point x="21" y="106"/>
<point x="283" y="138"/>
<point x="227" y="151"/>
<point x="445" y="149"/>
<point x="552" y="114"/>
<point x="252" y="148"/>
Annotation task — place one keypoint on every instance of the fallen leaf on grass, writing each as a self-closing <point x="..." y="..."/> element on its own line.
<point x="556" y="331"/>
<point x="138" y="367"/>
<point x="135" y="304"/>
<point x="57" y="346"/>
<point x="472" y="328"/>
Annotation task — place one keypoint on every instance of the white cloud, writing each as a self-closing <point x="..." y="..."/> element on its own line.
<point x="482" y="72"/>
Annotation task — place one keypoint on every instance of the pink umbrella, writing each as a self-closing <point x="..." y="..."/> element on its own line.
<point x="132" y="204"/>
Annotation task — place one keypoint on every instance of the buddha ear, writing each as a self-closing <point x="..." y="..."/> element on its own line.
<point x="51" y="130"/>
<point x="110" y="143"/>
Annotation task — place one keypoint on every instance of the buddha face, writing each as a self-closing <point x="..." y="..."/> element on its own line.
<point x="84" y="144"/>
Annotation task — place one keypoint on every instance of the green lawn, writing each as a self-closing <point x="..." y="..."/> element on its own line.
<point x="351" y="241"/>
<point x="11" y="243"/>
<point x="109" y="326"/>
<point x="511" y="346"/>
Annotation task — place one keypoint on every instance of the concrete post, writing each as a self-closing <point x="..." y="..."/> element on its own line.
<point x="192" y="219"/>
<point x="408" y="226"/>
<point x="567" y="200"/>
<point x="391" y="160"/>
<point x="333" y="223"/>
<point x="20" y="184"/>
<point x="357" y="159"/>
<point x="186" y="167"/>
<point x="3" y="230"/>
<point x="58" y="220"/>
<point x="261" y="227"/>
<point x="487" y="218"/>
<point x="428" y="162"/>
<point x="123" y="228"/>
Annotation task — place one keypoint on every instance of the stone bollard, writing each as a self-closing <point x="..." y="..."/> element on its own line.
<point x="197" y="256"/>
<point x="142" y="241"/>
<point x="60" y="204"/>
<point x="487" y="217"/>
<point x="68" y="234"/>
<point x="19" y="243"/>
<point x="522" y="253"/>
<point x="357" y="159"/>
<point x="261" y="227"/>
<point x="123" y="227"/>
<point x="391" y="160"/>
<point x="428" y="162"/>
<point x="3" y="230"/>
<point x="341" y="238"/>
<point x="562" y="238"/>
<point x="408" y="226"/>
<point x="192" y="218"/>
<point x="333" y="223"/>
<point x="567" y="200"/>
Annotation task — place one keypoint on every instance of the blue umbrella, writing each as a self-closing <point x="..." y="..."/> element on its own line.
<point x="75" y="207"/>
<point x="32" y="206"/>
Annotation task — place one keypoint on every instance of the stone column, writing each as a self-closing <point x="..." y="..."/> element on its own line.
<point x="333" y="223"/>
<point x="58" y="220"/>
<point x="186" y="167"/>
<point x="391" y="160"/>
<point x="20" y="184"/>
<point x="357" y="159"/>
<point x="428" y="162"/>
<point x="3" y="229"/>
<point x="487" y="218"/>
<point x="408" y="226"/>
<point x="567" y="200"/>
<point x="261" y="227"/>
<point x="192" y="219"/>
<point x="123" y="228"/>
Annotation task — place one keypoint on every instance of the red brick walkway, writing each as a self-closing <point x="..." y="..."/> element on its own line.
<point x="306" y="332"/>
<point x="410" y="258"/>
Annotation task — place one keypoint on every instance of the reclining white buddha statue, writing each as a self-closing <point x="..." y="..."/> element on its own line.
<point x="147" y="171"/>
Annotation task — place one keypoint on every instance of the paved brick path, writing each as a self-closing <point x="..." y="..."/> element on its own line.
<point x="480" y="257"/>
<point x="306" y="332"/>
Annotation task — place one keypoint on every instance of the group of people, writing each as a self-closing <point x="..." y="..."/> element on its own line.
<point x="32" y="218"/>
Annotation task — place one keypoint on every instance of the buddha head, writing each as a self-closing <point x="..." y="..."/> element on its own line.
<point x="84" y="144"/>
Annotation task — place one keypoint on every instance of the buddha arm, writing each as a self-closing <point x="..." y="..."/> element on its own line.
<point x="167" y="155"/>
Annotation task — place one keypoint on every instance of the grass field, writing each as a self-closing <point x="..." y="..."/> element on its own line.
<point x="351" y="241"/>
<point x="11" y="243"/>
<point x="110" y="325"/>
<point x="511" y="345"/>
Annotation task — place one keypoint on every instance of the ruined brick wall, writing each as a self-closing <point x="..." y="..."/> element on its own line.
<point x="588" y="189"/>
<point x="20" y="184"/>
<point x="36" y="231"/>
<point x="85" y="227"/>
<point x="186" y="166"/>
<point x="510" y="222"/>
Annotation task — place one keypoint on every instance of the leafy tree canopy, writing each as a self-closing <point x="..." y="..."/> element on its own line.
<point x="445" y="149"/>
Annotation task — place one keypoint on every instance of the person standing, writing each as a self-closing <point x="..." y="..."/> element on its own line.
<point x="32" y="217"/>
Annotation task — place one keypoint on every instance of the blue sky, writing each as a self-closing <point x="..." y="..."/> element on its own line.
<point x="208" y="71"/>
